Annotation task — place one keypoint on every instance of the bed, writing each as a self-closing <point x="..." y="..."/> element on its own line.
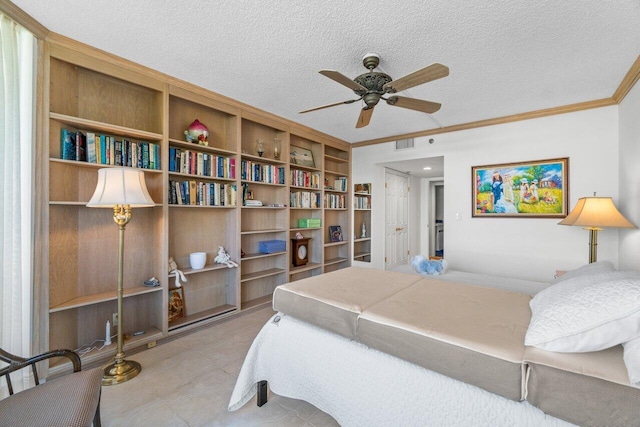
<point x="371" y="347"/>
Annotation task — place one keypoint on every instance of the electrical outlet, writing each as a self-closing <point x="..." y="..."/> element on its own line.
<point x="114" y="319"/>
<point x="151" y="344"/>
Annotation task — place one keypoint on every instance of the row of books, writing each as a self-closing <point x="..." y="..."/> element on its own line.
<point x="300" y="178"/>
<point x="107" y="150"/>
<point x="334" y="201"/>
<point x="202" y="193"/>
<point x="361" y="202"/>
<point x="305" y="199"/>
<point x="270" y="174"/>
<point x="340" y="184"/>
<point x="203" y="164"/>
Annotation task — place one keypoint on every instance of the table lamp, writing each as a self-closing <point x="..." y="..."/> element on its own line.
<point x="594" y="214"/>
<point x="120" y="189"/>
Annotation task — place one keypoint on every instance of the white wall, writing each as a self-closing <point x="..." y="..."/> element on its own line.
<point x="629" y="204"/>
<point x="515" y="247"/>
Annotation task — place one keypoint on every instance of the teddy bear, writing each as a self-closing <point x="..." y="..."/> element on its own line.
<point x="426" y="266"/>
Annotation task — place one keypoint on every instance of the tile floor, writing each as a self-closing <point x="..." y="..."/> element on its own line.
<point x="188" y="382"/>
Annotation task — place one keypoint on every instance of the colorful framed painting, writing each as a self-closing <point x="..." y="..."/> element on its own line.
<point x="535" y="189"/>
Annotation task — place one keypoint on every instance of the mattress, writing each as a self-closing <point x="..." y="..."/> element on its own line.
<point x="589" y="389"/>
<point x="456" y="330"/>
<point x="335" y="300"/>
<point x="450" y="328"/>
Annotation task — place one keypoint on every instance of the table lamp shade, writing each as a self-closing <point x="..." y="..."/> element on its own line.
<point x="596" y="212"/>
<point x="120" y="186"/>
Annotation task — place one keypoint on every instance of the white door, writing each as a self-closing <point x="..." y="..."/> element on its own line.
<point x="396" y="220"/>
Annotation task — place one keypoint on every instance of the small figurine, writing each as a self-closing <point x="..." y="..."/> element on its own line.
<point x="299" y="235"/>
<point x="197" y="133"/>
<point x="173" y="269"/>
<point x="363" y="230"/>
<point x="224" y="258"/>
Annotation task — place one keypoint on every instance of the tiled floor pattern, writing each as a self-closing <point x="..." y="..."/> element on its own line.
<point x="188" y="382"/>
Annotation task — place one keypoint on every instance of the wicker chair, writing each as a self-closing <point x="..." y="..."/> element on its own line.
<point x="71" y="400"/>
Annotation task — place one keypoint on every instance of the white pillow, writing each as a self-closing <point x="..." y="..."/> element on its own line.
<point x="632" y="360"/>
<point x="586" y="313"/>
<point x="593" y="268"/>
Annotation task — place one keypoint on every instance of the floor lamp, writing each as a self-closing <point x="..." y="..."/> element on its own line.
<point x="120" y="189"/>
<point x="595" y="214"/>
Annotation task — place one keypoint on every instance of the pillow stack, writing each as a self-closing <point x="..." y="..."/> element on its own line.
<point x="590" y="309"/>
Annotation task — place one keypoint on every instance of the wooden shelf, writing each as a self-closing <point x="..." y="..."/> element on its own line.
<point x="197" y="317"/>
<point x="248" y="257"/>
<point x="206" y="268"/>
<point x="192" y="176"/>
<point x="103" y="297"/>
<point x="201" y="148"/>
<point x="312" y="189"/>
<point x="256" y="302"/>
<point x="260" y="274"/>
<point x="270" y="230"/>
<point x="335" y="261"/>
<point x="105" y="127"/>
<point x="150" y="334"/>
<point x="356" y="209"/>
<point x="361" y="239"/>
<point x="258" y="159"/>
<point x="76" y="163"/>
<point x="245" y="181"/>
<point x="306" y="168"/>
<point x="358" y="255"/>
<point x="336" y="159"/>
<point x="202" y="206"/>
<point x="305" y="209"/>
<point x="307" y="267"/>
<point x="264" y="207"/>
<point x="336" y="209"/>
<point x="304" y="229"/>
<point x="344" y="242"/>
<point x="327" y="190"/>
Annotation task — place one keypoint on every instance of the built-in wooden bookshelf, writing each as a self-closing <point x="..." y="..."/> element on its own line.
<point x="205" y="198"/>
<point x="336" y="208"/>
<point x="362" y="222"/>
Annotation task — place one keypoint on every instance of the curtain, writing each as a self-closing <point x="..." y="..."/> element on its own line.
<point x="16" y="168"/>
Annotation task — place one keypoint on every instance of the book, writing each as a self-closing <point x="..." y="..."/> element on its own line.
<point x="335" y="233"/>
<point x="91" y="147"/>
<point x="67" y="145"/>
<point x="81" y="147"/>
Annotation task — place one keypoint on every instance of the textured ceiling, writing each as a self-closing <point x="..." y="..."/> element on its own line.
<point x="505" y="56"/>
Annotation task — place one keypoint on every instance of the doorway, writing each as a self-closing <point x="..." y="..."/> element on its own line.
<point x="436" y="219"/>
<point x="396" y="219"/>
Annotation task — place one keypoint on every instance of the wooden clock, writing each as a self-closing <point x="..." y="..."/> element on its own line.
<point x="300" y="251"/>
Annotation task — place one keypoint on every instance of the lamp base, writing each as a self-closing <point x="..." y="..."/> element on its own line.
<point x="117" y="373"/>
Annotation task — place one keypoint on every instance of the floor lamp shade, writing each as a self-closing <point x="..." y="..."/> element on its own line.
<point x="121" y="186"/>
<point x="120" y="189"/>
<point x="595" y="214"/>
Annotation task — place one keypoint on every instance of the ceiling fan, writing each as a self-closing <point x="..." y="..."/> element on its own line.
<point x="372" y="86"/>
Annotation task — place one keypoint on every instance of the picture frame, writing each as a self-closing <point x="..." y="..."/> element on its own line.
<point x="335" y="233"/>
<point x="176" y="304"/>
<point x="529" y="189"/>
<point x="301" y="157"/>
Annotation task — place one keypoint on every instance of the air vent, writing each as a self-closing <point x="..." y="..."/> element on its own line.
<point x="403" y="144"/>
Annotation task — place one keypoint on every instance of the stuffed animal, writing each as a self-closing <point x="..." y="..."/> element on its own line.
<point x="224" y="258"/>
<point x="428" y="266"/>
<point x="173" y="269"/>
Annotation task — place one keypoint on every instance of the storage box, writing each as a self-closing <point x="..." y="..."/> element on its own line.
<point x="272" y="246"/>
<point x="308" y="222"/>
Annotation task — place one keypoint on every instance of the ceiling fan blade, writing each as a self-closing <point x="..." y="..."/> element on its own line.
<point x="427" y="74"/>
<point x="343" y="80"/>
<point x="414" y="104"/>
<point x="365" y="117"/>
<point x="330" y="105"/>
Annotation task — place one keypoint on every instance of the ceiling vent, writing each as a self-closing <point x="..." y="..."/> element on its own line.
<point x="403" y="144"/>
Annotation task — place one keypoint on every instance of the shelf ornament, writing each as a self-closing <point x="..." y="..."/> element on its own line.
<point x="223" y="257"/>
<point x="173" y="269"/>
<point x="197" y="133"/>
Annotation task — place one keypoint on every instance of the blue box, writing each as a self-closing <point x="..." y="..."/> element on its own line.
<point x="272" y="246"/>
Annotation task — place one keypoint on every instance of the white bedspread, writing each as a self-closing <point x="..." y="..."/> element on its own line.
<point x="363" y="387"/>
